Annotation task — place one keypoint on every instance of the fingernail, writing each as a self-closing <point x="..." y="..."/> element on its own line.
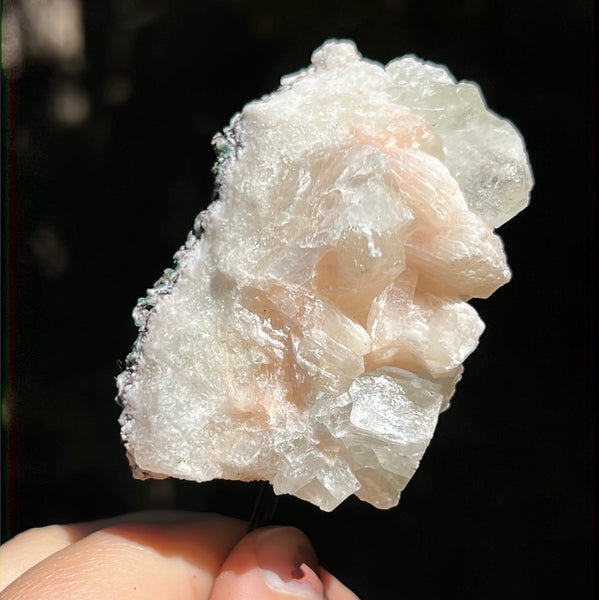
<point x="288" y="563"/>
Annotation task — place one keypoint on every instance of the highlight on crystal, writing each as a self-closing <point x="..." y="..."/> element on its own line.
<point x="316" y="320"/>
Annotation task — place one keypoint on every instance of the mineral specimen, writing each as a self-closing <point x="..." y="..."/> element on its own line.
<point x="316" y="320"/>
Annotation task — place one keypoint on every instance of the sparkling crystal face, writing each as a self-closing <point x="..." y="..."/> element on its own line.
<point x="316" y="321"/>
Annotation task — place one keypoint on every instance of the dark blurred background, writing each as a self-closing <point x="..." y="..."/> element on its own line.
<point x="109" y="110"/>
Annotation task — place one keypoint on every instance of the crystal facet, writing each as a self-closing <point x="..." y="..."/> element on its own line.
<point x="316" y="320"/>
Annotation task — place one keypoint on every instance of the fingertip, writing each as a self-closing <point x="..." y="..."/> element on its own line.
<point x="154" y="556"/>
<point x="270" y="563"/>
<point x="28" y="548"/>
<point x="334" y="589"/>
<point x="276" y="563"/>
<point x="287" y="562"/>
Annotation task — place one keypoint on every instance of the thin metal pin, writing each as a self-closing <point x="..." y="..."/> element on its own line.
<point x="264" y="507"/>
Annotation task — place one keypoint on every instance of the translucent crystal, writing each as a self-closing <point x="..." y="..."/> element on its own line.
<point x="316" y="321"/>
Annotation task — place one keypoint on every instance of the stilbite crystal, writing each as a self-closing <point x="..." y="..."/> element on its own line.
<point x="316" y="321"/>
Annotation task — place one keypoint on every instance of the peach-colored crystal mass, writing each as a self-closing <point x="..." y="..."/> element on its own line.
<point x="317" y="320"/>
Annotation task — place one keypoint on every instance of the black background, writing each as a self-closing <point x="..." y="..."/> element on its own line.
<point x="501" y="506"/>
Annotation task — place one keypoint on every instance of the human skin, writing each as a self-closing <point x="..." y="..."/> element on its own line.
<point x="163" y="555"/>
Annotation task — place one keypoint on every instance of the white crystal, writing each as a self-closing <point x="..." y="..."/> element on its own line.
<point x="316" y="321"/>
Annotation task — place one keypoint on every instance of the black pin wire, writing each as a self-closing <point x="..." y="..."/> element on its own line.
<point x="264" y="507"/>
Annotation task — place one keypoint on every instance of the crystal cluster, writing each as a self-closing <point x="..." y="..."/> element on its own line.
<point x="316" y="320"/>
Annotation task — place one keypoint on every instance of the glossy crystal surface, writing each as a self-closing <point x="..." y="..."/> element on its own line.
<point x="317" y="320"/>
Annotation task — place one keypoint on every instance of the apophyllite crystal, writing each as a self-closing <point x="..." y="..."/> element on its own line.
<point x="316" y="320"/>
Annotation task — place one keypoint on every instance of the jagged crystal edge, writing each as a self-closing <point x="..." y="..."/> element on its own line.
<point x="333" y="446"/>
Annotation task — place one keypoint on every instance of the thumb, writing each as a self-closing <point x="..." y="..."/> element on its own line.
<point x="276" y="563"/>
